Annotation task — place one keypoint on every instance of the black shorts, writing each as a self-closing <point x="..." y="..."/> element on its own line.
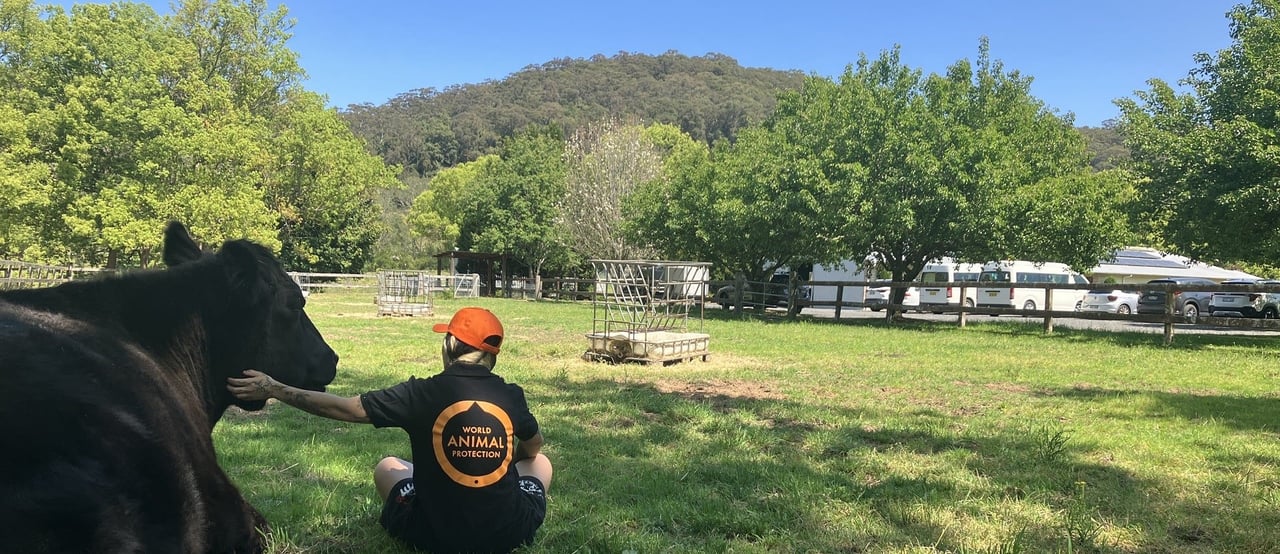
<point x="535" y="495"/>
<point x="396" y="518"/>
<point x="396" y="514"/>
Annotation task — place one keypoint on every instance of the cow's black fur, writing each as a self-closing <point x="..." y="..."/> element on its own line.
<point x="109" y="390"/>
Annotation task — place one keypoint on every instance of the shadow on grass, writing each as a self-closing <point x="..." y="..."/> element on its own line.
<point x="1243" y="413"/>
<point x="647" y="470"/>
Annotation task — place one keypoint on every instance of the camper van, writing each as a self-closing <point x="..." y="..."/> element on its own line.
<point x="948" y="271"/>
<point x="990" y="294"/>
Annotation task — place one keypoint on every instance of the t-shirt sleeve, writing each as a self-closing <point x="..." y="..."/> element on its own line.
<point x="390" y="407"/>
<point x="526" y="425"/>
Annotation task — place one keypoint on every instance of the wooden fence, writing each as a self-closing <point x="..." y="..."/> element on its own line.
<point x="1169" y="318"/>
<point x="760" y="296"/>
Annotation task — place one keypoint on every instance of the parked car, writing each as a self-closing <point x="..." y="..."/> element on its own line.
<point x="878" y="297"/>
<point x="1188" y="304"/>
<point x="1110" y="301"/>
<point x="1246" y="304"/>
<point x="775" y="293"/>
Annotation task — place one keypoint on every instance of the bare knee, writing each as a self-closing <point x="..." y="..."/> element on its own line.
<point x="388" y="472"/>
<point x="392" y="463"/>
<point x="538" y="466"/>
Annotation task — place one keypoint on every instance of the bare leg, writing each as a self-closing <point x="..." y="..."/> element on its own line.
<point x="388" y="472"/>
<point x="538" y="466"/>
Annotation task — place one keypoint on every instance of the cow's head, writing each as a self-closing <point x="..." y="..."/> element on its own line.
<point x="260" y="323"/>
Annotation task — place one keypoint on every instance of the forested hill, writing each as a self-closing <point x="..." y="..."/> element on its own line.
<point x="709" y="97"/>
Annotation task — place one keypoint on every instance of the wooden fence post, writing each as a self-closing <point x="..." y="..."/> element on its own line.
<point x="739" y="292"/>
<point x="1048" y="310"/>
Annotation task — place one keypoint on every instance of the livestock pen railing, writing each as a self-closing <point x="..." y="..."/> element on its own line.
<point x="25" y="275"/>
<point x="421" y="283"/>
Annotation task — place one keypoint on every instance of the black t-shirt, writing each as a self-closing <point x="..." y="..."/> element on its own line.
<point x="461" y="423"/>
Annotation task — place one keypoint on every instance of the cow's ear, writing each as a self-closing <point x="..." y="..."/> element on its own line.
<point x="178" y="246"/>
<point x="244" y="270"/>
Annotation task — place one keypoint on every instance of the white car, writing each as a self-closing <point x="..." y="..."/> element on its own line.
<point x="1265" y="305"/>
<point x="878" y="297"/>
<point x="1110" y="301"/>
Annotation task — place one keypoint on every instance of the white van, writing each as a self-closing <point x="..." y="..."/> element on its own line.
<point x="948" y="271"/>
<point x="844" y="271"/>
<point x="1028" y="298"/>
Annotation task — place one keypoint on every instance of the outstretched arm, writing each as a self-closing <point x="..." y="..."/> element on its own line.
<point x="257" y="385"/>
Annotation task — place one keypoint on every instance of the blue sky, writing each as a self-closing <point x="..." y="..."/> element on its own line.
<point x="1082" y="54"/>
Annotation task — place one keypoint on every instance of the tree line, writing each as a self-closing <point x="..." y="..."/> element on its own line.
<point x="116" y="118"/>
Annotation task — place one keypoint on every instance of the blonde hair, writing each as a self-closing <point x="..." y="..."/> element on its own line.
<point x="454" y="350"/>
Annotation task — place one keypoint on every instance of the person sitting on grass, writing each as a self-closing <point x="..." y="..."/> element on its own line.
<point x="478" y="480"/>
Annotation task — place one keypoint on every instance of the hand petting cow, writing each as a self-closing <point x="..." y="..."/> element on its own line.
<point x="110" y="388"/>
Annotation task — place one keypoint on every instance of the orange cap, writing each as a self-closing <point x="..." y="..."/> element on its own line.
<point x="476" y="327"/>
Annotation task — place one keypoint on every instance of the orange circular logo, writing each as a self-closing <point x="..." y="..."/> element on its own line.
<point x="472" y="442"/>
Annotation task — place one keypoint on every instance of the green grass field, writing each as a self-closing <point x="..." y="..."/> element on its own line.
<point x="809" y="436"/>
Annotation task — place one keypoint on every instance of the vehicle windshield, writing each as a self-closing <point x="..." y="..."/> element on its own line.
<point x="994" y="277"/>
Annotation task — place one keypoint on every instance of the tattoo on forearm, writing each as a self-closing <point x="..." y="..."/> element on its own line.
<point x="299" y="398"/>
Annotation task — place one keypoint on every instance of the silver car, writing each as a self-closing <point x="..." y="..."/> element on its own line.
<point x="1246" y="304"/>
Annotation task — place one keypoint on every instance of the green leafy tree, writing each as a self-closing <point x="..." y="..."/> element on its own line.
<point x="25" y="189"/>
<point x="438" y="213"/>
<point x="663" y="214"/>
<point x="1208" y="158"/>
<point x="109" y="104"/>
<point x="504" y="203"/>
<point x="323" y="188"/>
<point x="241" y="46"/>
<point x="748" y="208"/>
<point x="107" y="118"/>
<point x="517" y="213"/>
<point x="118" y="119"/>
<point x="944" y="165"/>
<point x="26" y="184"/>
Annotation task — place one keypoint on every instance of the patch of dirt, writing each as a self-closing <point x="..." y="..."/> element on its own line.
<point x="1003" y="387"/>
<point x="1008" y="387"/>
<point x="235" y="412"/>
<point x="709" y="388"/>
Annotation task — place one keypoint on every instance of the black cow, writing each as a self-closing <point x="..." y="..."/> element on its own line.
<point x="110" y="388"/>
